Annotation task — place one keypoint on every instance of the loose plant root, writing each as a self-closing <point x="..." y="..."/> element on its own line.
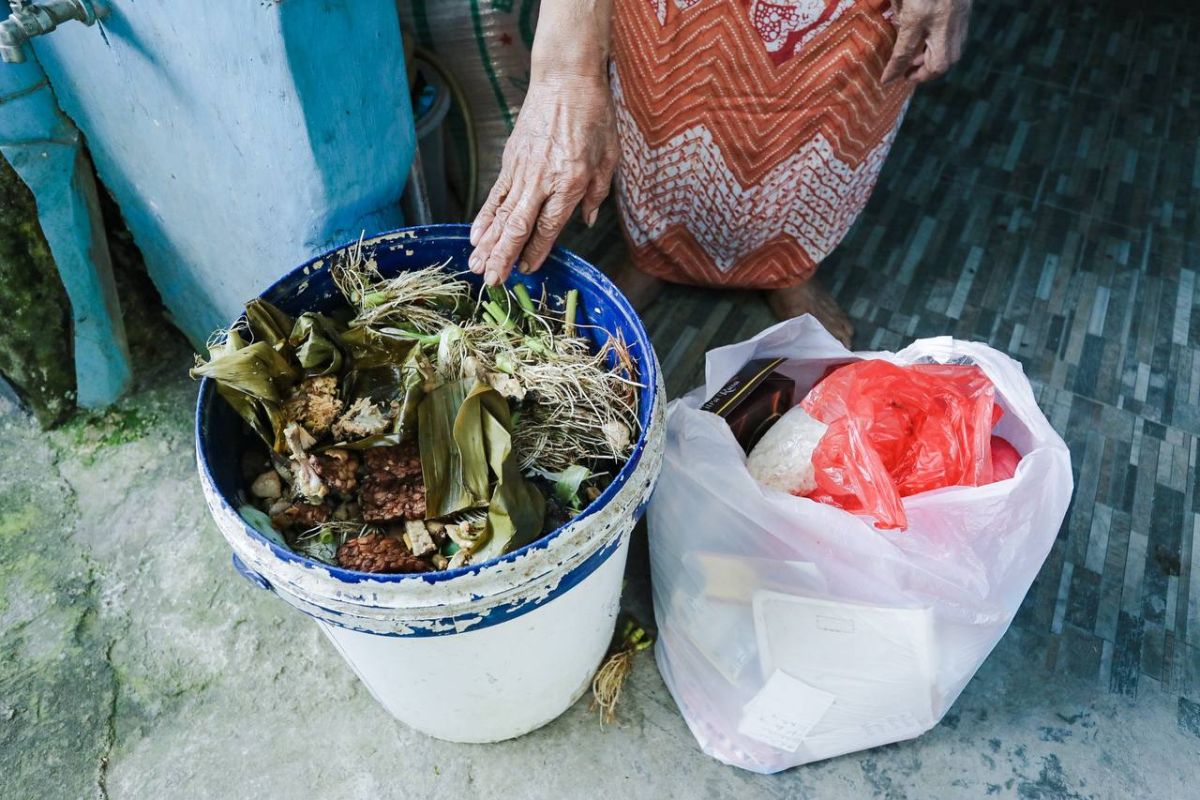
<point x="584" y="403"/>
<point x="610" y="678"/>
<point x="419" y="299"/>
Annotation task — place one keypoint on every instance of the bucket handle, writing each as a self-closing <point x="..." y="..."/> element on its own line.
<point x="249" y="574"/>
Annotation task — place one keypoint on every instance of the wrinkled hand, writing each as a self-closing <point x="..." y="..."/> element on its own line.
<point x="562" y="153"/>
<point x="929" y="39"/>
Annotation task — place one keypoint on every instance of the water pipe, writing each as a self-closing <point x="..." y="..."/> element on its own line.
<point x="29" y="19"/>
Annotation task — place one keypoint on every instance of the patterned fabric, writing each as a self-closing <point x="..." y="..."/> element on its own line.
<point x="752" y="132"/>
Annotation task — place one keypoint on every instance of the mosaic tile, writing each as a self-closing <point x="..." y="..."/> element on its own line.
<point x="1189" y="716"/>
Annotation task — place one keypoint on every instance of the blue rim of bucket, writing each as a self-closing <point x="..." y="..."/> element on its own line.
<point x="559" y="256"/>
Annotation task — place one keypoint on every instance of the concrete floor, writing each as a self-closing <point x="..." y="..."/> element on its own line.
<point x="1060" y="156"/>
<point x="135" y="664"/>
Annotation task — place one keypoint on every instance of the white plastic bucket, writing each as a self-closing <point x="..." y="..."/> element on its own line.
<point x="490" y="651"/>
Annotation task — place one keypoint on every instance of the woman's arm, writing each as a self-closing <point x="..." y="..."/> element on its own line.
<point x="563" y="148"/>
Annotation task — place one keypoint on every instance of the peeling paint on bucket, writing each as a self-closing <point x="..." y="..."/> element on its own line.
<point x="489" y="651"/>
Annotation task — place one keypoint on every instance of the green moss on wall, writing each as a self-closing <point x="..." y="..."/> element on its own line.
<point x="36" y="351"/>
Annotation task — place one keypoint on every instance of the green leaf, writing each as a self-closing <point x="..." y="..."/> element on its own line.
<point x="468" y="462"/>
<point x="567" y="483"/>
<point x="269" y="323"/>
<point x="367" y="348"/>
<point x="446" y="490"/>
<point x="256" y="369"/>
<point x="261" y="523"/>
<point x="314" y="338"/>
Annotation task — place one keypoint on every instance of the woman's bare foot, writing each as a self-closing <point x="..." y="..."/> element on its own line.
<point x="812" y="298"/>
<point x="640" y="288"/>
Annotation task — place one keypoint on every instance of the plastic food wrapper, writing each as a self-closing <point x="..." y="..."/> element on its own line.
<point x="899" y="430"/>
<point x="783" y="457"/>
<point x="792" y="631"/>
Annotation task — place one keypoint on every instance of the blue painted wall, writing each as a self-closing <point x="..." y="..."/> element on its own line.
<point x="47" y="153"/>
<point x="239" y="137"/>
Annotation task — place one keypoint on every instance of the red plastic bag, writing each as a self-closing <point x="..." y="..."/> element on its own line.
<point x="897" y="431"/>
<point x="1004" y="459"/>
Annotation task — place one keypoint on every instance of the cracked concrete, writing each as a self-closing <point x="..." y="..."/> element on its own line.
<point x="55" y="681"/>
<point x="134" y="663"/>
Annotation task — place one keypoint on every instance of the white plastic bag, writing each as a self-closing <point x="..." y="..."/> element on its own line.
<point x="791" y="631"/>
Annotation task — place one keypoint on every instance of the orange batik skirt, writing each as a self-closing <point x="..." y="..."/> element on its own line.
<point x="751" y="133"/>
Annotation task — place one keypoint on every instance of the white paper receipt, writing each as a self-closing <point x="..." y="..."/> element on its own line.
<point x="783" y="712"/>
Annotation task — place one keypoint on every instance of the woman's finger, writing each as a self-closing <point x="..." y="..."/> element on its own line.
<point x="550" y="223"/>
<point x="937" y="58"/>
<point x="909" y="41"/>
<point x="518" y="226"/>
<point x="597" y="190"/>
<point x="495" y="197"/>
<point x="491" y="234"/>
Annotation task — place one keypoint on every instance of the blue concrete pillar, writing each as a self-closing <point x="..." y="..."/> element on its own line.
<point x="239" y="138"/>
<point x="46" y="150"/>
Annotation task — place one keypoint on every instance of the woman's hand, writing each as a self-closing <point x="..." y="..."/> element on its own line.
<point x="563" y="149"/>
<point x="929" y="40"/>
<point x="561" y="154"/>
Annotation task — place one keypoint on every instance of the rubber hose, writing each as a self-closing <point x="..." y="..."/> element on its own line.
<point x="460" y="99"/>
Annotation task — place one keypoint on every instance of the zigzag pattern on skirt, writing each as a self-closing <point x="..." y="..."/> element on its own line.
<point x="737" y="170"/>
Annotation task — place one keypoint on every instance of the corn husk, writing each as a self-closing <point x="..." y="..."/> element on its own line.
<point x="454" y="481"/>
<point x="257" y="370"/>
<point x="253" y="378"/>
<point x="399" y="388"/>
<point x="567" y="484"/>
<point x="517" y="509"/>
<point x="268" y="322"/>
<point x="265" y="419"/>
<point x="314" y="338"/>
<point x="468" y="462"/>
<point x="367" y="348"/>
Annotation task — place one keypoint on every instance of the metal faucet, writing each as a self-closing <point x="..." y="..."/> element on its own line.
<point x="31" y="19"/>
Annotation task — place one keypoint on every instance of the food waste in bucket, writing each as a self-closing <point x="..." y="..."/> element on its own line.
<point x="424" y="425"/>
<point x="407" y="632"/>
